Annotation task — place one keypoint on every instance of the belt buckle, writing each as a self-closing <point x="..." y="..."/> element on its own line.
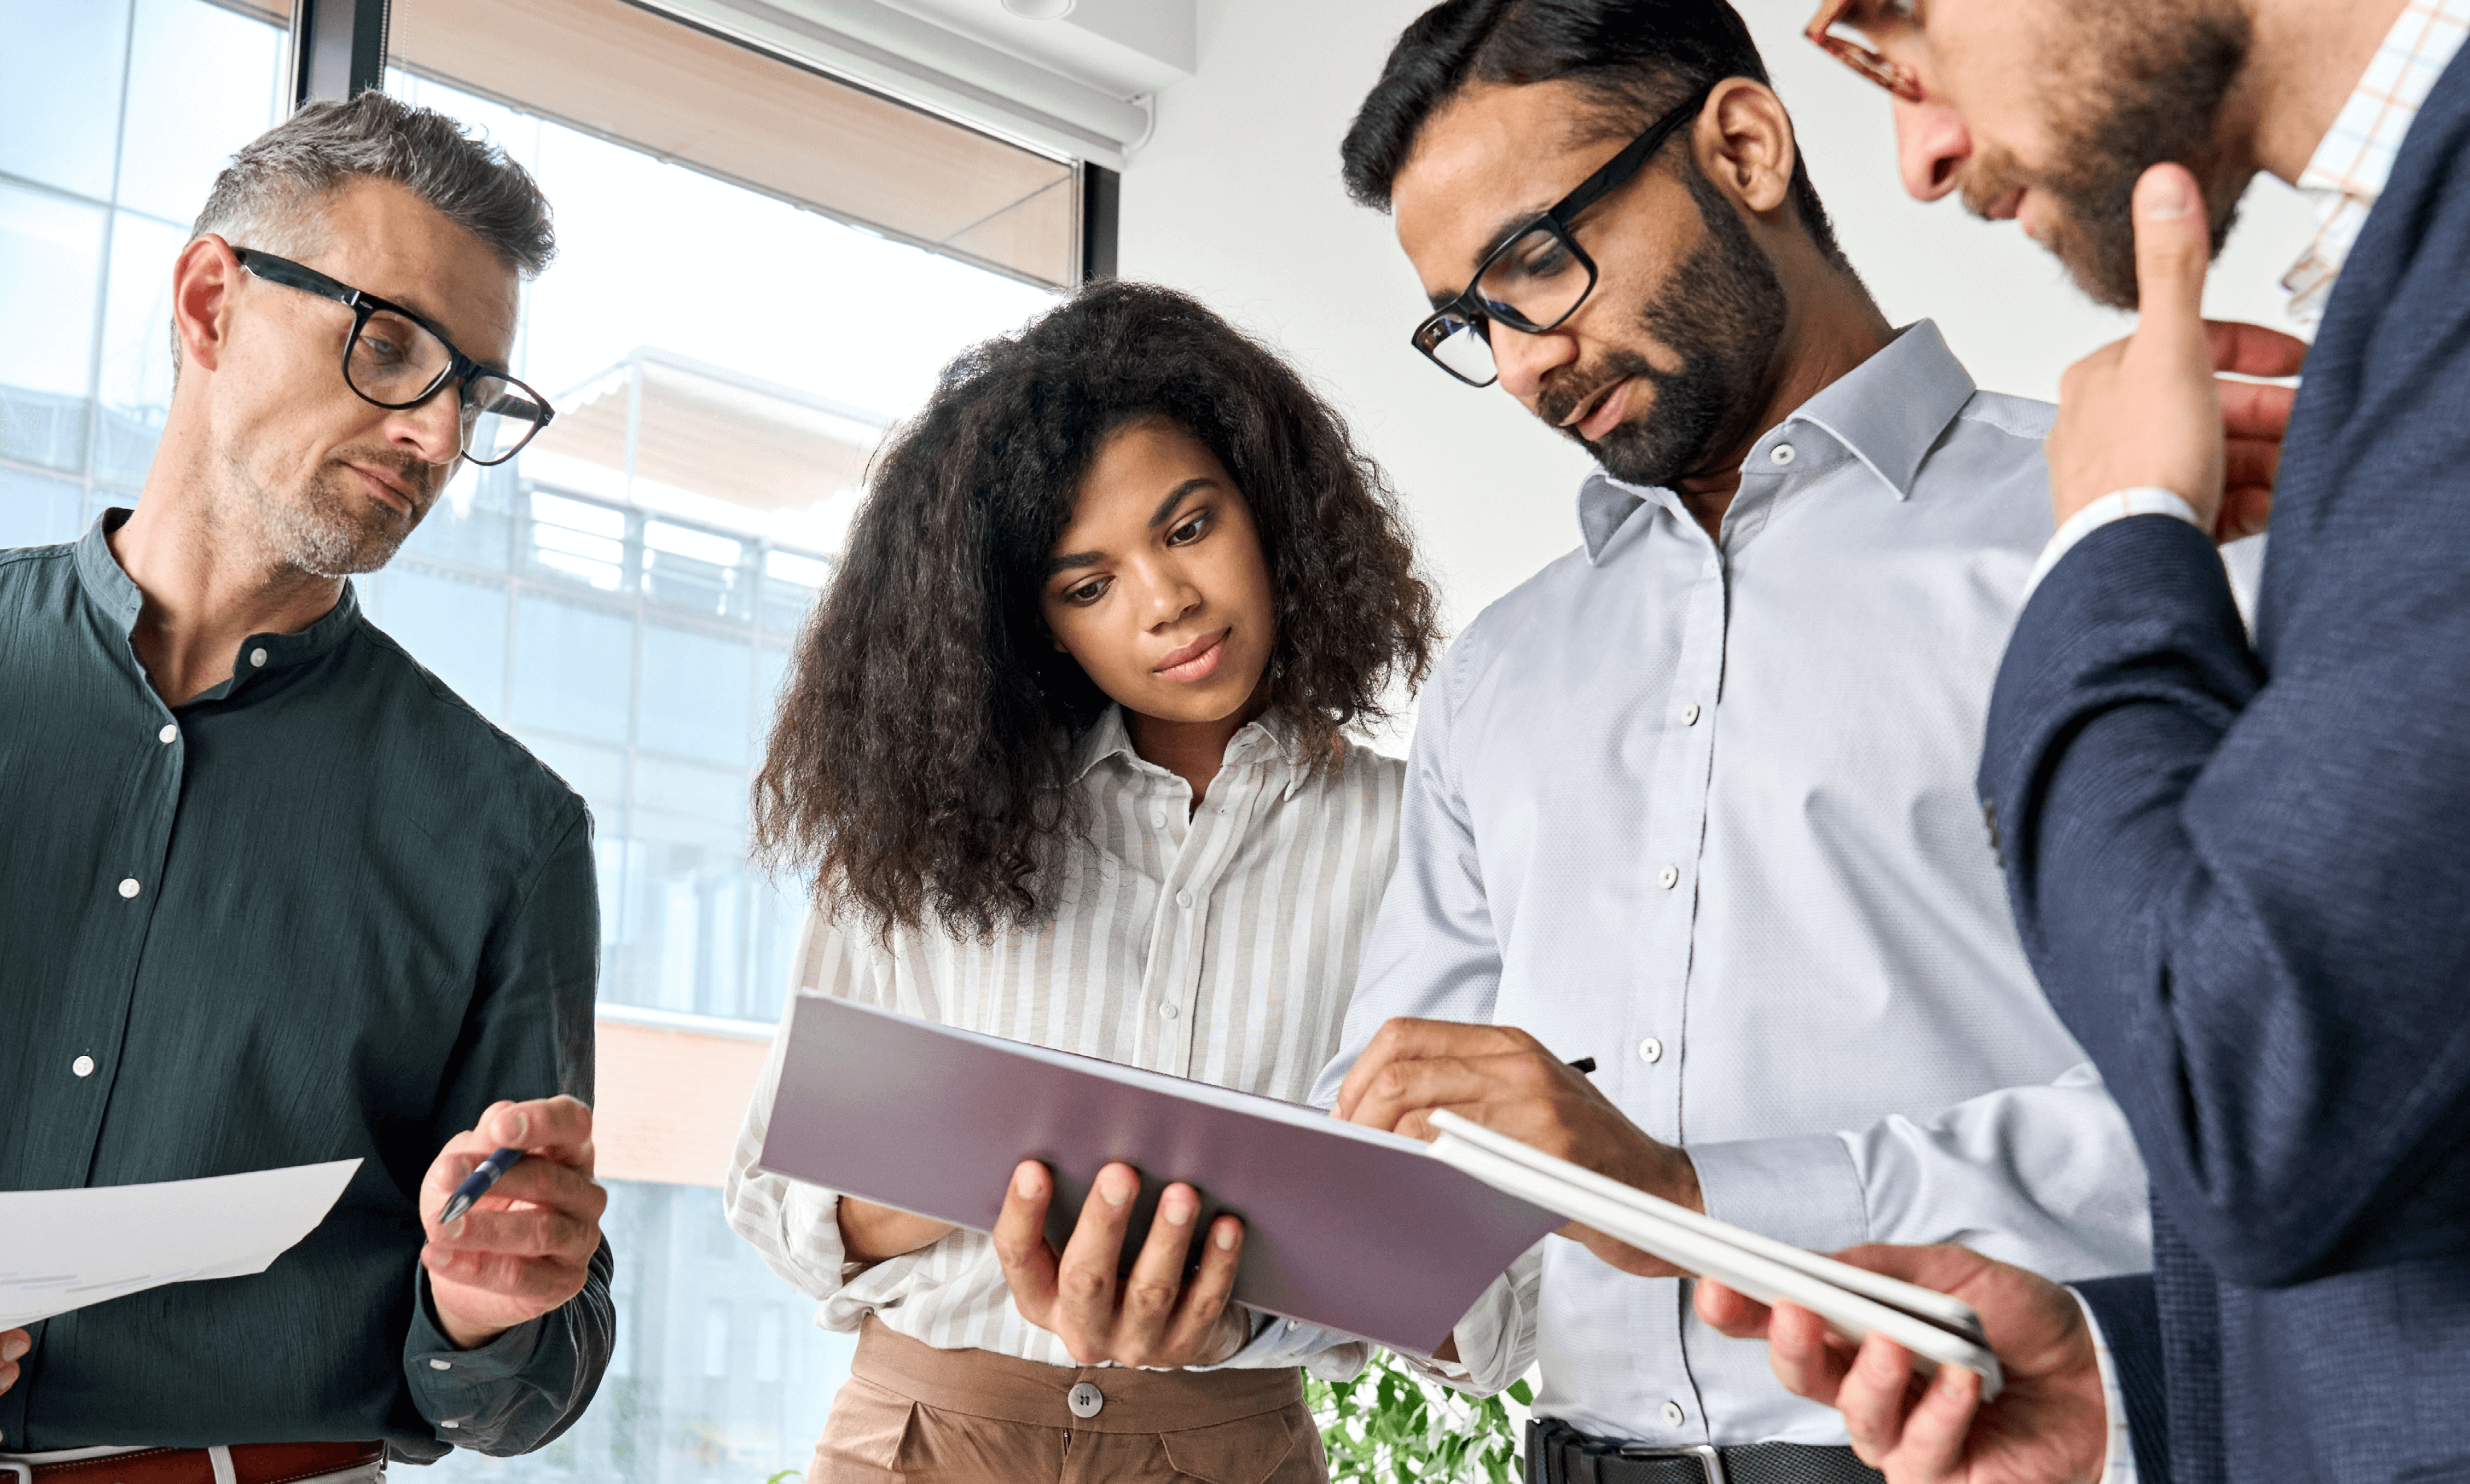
<point x="1709" y="1459"/>
<point x="25" y="1473"/>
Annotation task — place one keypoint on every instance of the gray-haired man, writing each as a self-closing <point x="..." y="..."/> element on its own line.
<point x="273" y="895"/>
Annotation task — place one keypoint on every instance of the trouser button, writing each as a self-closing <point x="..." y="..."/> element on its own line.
<point x="1085" y="1400"/>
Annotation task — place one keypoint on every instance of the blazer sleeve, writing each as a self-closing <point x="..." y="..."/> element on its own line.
<point x="2130" y="1326"/>
<point x="2239" y="871"/>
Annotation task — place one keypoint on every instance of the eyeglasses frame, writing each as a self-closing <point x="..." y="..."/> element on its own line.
<point x="1893" y="77"/>
<point x="363" y="304"/>
<point x="1558" y="218"/>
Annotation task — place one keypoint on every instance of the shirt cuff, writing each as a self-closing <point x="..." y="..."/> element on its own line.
<point x="2119" y="1465"/>
<point x="1802" y="1189"/>
<point x="1277" y="1342"/>
<point x="2118" y="505"/>
<point x="454" y="1387"/>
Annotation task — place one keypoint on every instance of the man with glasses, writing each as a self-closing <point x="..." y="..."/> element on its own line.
<point x="2238" y="863"/>
<point x="273" y="895"/>
<point x="1694" y="802"/>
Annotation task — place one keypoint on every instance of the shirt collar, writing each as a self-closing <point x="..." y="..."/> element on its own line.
<point x="1888" y="413"/>
<point x="1270" y="741"/>
<point x="110" y="589"/>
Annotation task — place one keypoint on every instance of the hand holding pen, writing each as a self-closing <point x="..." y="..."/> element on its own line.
<point x="521" y="1238"/>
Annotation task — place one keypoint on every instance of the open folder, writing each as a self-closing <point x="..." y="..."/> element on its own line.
<point x="1938" y="1329"/>
<point x="1345" y="1227"/>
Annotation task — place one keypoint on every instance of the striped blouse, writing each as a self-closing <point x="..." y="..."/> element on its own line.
<point x="1219" y="945"/>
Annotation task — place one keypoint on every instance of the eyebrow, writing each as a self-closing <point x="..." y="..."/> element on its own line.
<point x="1165" y="512"/>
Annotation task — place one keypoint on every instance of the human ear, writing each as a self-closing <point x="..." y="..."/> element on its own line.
<point x="1744" y="144"/>
<point x="202" y="279"/>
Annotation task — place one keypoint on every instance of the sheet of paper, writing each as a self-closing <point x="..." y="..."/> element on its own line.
<point x="64" y="1249"/>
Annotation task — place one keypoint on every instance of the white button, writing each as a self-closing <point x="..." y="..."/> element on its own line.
<point x="441" y="1365"/>
<point x="1673" y="1415"/>
<point x="129" y="887"/>
<point x="257" y="657"/>
<point x="1168" y="1011"/>
<point x="1086" y="1401"/>
<point x="1670" y="876"/>
<point x="170" y="733"/>
<point x="1183" y="899"/>
<point x="1157" y="818"/>
<point x="1650" y="1050"/>
<point x="1778" y="455"/>
<point x="1714" y="568"/>
<point x="1690" y="714"/>
<point x="1291" y="1323"/>
<point x="83" y="1066"/>
<point x="450" y="1424"/>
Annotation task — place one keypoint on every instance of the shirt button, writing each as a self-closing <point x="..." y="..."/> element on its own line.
<point x="1157" y="818"/>
<point x="1650" y="1050"/>
<point x="1673" y="1415"/>
<point x="1690" y="714"/>
<point x="441" y="1365"/>
<point x="1085" y="1400"/>
<point x="1781" y="455"/>
<point x="1669" y="876"/>
<point x="450" y="1423"/>
<point x="129" y="887"/>
<point x="1183" y="899"/>
<point x="1168" y="1011"/>
<point x="83" y="1066"/>
<point x="257" y="658"/>
<point x="170" y="733"/>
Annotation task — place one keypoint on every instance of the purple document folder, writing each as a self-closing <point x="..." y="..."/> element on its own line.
<point x="1345" y="1227"/>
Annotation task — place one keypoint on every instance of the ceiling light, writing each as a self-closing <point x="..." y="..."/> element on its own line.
<point x="1039" y="10"/>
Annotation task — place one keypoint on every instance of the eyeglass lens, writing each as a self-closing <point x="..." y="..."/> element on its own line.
<point x="1532" y="284"/>
<point x="395" y="360"/>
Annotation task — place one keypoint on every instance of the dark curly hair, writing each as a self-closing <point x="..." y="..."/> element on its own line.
<point x="917" y="762"/>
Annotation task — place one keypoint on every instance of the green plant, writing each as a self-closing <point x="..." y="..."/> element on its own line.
<point x="1390" y="1426"/>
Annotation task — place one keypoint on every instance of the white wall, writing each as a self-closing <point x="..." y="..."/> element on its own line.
<point x="1237" y="198"/>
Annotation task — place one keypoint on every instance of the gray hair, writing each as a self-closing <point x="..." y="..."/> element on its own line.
<point x="267" y="196"/>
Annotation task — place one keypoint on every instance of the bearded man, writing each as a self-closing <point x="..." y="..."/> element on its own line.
<point x="273" y="895"/>
<point x="1694" y="801"/>
<point x="2238" y="865"/>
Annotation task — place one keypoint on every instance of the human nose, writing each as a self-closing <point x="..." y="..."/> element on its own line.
<point x="1931" y="146"/>
<point x="432" y="430"/>
<point x="1171" y="596"/>
<point x="1523" y="360"/>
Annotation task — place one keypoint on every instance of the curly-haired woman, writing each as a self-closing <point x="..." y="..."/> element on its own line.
<point x="1062" y="751"/>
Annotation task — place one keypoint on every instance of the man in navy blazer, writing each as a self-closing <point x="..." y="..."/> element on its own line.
<point x="2242" y="870"/>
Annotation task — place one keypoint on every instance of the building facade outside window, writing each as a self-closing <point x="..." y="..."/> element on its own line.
<point x="622" y="598"/>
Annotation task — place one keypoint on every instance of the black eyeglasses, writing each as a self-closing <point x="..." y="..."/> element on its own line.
<point x="396" y="359"/>
<point x="1540" y="275"/>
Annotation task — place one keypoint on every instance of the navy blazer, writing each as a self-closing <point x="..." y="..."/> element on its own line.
<point x="2242" y="876"/>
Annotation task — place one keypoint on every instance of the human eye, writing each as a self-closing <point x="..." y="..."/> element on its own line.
<point x="1086" y="594"/>
<point x="1190" y="530"/>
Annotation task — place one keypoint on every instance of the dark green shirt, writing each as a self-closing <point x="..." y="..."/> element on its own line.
<point x="322" y="911"/>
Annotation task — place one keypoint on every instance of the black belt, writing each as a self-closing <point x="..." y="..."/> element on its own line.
<point x="1558" y="1453"/>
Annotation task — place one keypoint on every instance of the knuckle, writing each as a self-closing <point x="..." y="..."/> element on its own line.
<point x="1150" y="1297"/>
<point x="1082" y="1284"/>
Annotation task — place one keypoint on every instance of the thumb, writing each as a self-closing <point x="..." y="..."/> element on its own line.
<point x="2173" y="244"/>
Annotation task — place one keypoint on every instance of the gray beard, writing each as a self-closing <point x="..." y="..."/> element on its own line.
<point x="330" y="528"/>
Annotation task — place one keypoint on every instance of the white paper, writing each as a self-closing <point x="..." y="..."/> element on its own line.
<point x="64" y="1249"/>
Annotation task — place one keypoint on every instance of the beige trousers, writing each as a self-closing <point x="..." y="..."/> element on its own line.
<point x="913" y="1414"/>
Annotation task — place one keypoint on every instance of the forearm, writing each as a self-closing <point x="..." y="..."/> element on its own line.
<point x="872" y="1233"/>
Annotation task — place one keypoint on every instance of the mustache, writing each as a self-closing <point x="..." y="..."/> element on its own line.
<point x="1571" y="389"/>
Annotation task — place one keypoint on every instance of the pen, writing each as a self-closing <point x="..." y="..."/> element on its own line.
<point x="1584" y="1066"/>
<point x="477" y="1184"/>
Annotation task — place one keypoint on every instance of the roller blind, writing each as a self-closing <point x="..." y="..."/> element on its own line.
<point x="680" y="92"/>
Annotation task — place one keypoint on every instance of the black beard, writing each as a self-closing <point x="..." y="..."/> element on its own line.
<point x="2159" y="98"/>
<point x="1722" y="313"/>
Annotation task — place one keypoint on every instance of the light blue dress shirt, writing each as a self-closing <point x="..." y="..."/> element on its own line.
<point x="1703" y="810"/>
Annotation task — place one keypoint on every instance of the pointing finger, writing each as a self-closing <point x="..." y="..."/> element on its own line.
<point x="2173" y="244"/>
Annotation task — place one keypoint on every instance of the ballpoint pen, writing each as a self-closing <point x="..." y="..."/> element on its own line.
<point x="477" y="1184"/>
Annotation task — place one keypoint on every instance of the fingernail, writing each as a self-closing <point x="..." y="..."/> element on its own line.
<point x="1026" y="1182"/>
<point x="13" y="1348"/>
<point x="1226" y="1239"/>
<point x="523" y="1122"/>
<point x="2162" y="195"/>
<point x="1116" y="1192"/>
<point x="454" y="1228"/>
<point x="1176" y="1215"/>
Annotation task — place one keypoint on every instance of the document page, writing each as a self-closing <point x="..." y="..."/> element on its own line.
<point x="64" y="1249"/>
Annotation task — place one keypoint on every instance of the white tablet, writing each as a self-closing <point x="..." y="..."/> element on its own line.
<point x="1937" y="1328"/>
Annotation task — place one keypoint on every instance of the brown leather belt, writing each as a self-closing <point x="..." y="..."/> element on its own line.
<point x="252" y="1463"/>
